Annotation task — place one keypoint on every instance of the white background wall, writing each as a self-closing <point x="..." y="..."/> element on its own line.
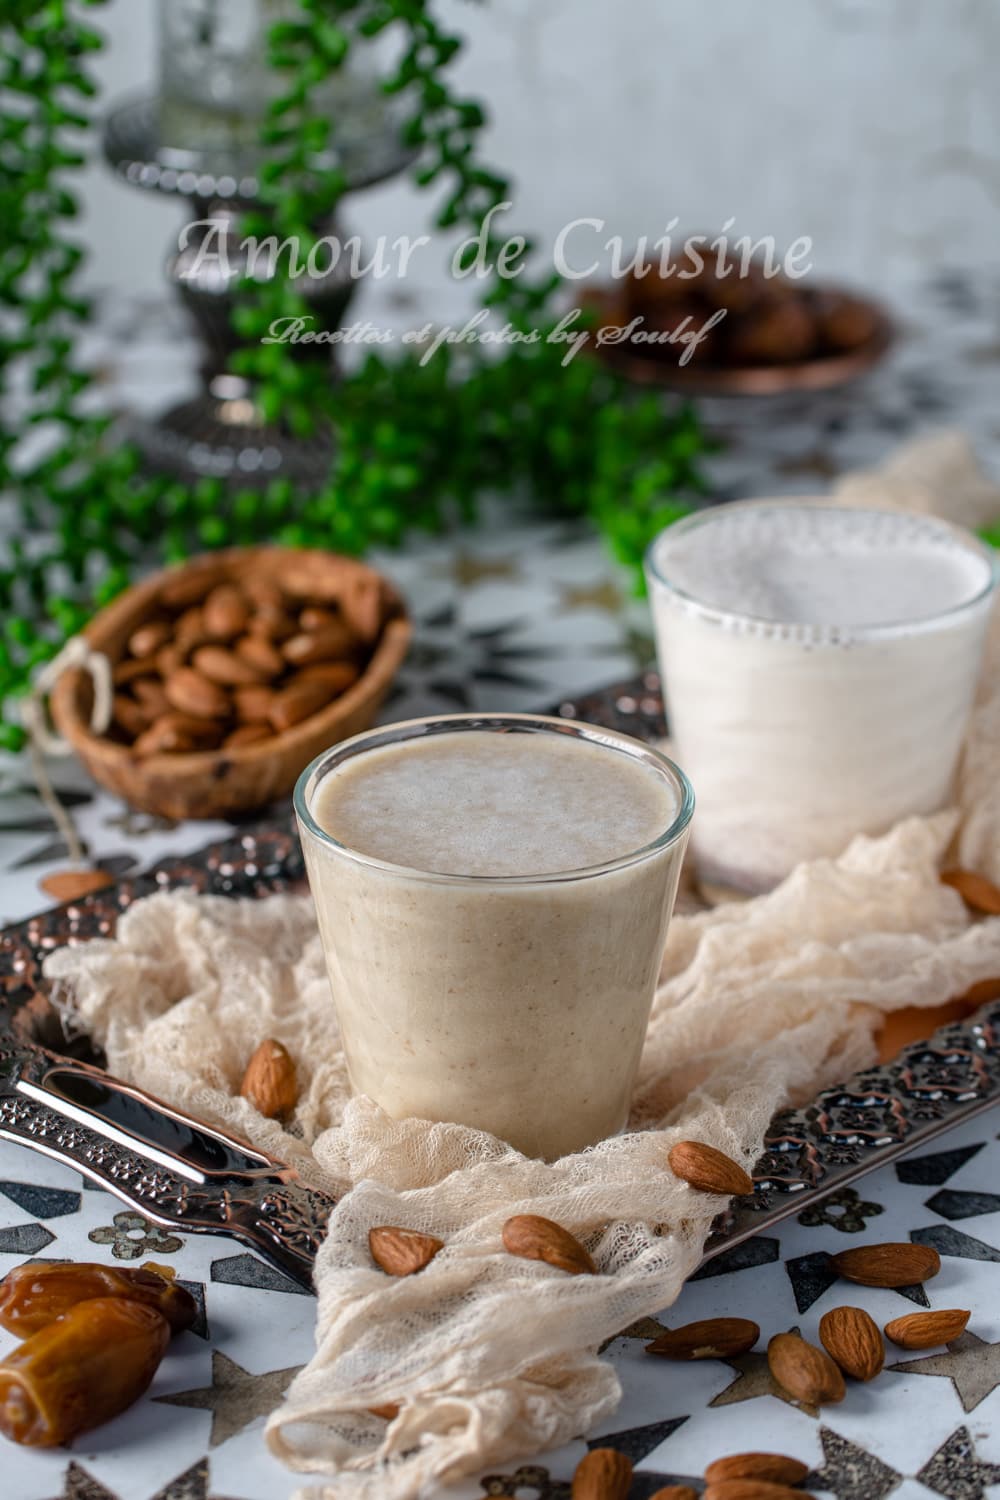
<point x="871" y="125"/>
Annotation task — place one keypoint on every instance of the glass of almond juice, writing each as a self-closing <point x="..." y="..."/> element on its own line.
<point x="493" y="894"/>
<point x="819" y="662"/>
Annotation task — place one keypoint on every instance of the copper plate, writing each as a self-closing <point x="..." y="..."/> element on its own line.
<point x="663" y="370"/>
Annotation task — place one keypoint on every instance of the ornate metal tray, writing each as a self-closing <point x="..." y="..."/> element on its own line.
<point x="180" y="1173"/>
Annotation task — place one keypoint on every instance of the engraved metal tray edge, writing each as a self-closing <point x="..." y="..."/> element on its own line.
<point x="844" y="1132"/>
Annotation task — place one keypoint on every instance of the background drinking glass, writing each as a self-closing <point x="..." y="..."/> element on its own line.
<point x="803" y="721"/>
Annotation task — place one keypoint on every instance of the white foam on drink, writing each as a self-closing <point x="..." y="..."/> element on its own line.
<point x="482" y="803"/>
<point x="823" y="566"/>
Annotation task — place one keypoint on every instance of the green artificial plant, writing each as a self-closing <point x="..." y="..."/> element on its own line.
<point x="414" y="443"/>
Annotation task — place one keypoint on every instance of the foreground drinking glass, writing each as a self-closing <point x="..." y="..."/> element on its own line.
<point x="819" y="663"/>
<point x="493" y="896"/>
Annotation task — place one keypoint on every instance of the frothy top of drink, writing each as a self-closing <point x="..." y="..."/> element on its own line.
<point x="485" y="803"/>
<point x="822" y="565"/>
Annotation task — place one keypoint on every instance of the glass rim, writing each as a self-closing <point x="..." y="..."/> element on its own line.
<point x="412" y="729"/>
<point x="811" y="629"/>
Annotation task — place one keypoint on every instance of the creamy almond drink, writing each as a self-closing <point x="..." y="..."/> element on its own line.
<point x="819" y="663"/>
<point x="493" y="896"/>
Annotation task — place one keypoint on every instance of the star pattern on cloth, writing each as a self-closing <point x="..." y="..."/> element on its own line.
<point x="753" y="1379"/>
<point x="193" y="1484"/>
<point x="955" y="1470"/>
<point x="850" y="1472"/>
<point x="235" y="1398"/>
<point x="971" y="1364"/>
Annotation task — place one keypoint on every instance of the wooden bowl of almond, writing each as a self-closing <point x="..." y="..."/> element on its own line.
<point x="231" y="672"/>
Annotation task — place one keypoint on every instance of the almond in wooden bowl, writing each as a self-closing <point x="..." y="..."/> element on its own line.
<point x="243" y="717"/>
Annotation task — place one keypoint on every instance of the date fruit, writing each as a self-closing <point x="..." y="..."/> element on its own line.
<point x="32" y="1297"/>
<point x="80" y="1371"/>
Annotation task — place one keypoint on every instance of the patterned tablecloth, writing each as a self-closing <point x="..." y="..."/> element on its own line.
<point x="519" y="615"/>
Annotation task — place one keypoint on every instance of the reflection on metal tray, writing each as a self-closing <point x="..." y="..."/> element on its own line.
<point x="183" y="1174"/>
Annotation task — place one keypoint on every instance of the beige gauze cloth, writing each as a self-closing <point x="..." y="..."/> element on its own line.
<point x="489" y="1357"/>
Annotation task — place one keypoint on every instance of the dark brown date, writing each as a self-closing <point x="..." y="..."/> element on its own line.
<point x="80" y="1371"/>
<point x="32" y="1297"/>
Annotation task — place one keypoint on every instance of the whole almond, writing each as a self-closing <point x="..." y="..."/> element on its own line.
<point x="330" y="644"/>
<point x="317" y="617"/>
<point x="191" y="693"/>
<point x="270" y="1081"/>
<point x="169" y="658"/>
<point x="926" y="1329"/>
<point x="603" y="1474"/>
<point x="709" y="1170"/>
<point x="975" y="890"/>
<point x="401" y="1252"/>
<point x="675" y="1492"/>
<point x="900" y="1264"/>
<point x="150" y="693"/>
<point x="225" y="612"/>
<point x="261" y="654"/>
<point x="177" y="734"/>
<point x="272" y="621"/>
<point x="130" y="716"/>
<point x="225" y="667"/>
<point x="147" y="639"/>
<point x="125" y="672"/>
<point x="263" y="592"/>
<point x="247" y="734"/>
<point x="189" y="631"/>
<point x="752" y="1489"/>
<point x="338" y="675"/>
<point x="163" y="738"/>
<point x="361" y="607"/>
<point x="805" y="1372"/>
<point x="389" y="1412"/>
<point x="297" y="702"/>
<point x="70" y="885"/>
<point x="710" y="1338"/>
<point x="774" y="1468"/>
<point x="189" y="585"/>
<point x="852" y="1339"/>
<point x="533" y="1238"/>
<point x="253" y="704"/>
